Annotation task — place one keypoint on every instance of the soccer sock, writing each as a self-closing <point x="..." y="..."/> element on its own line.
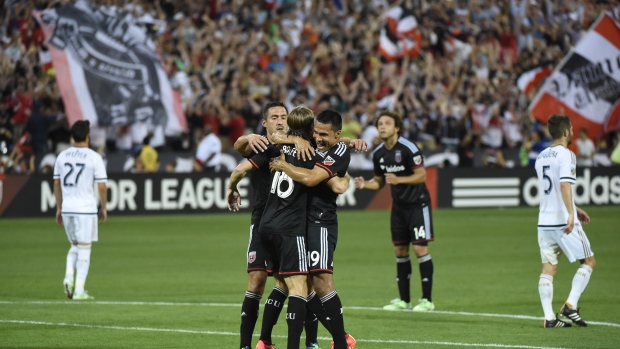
<point x="71" y="261"/>
<point x="82" y="265"/>
<point x="249" y="315"/>
<point x="333" y="307"/>
<point x="580" y="281"/>
<point x="312" y="324"/>
<point x="316" y="306"/>
<point x="295" y="317"/>
<point x="403" y="274"/>
<point x="426" y="274"/>
<point x="273" y="307"/>
<point x="545" y="289"/>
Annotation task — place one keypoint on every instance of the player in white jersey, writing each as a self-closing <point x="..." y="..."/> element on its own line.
<point x="76" y="171"/>
<point x="559" y="223"/>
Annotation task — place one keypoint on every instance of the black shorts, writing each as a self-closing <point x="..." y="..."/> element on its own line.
<point x="285" y="254"/>
<point x="255" y="255"/>
<point x="411" y="224"/>
<point x="322" y="241"/>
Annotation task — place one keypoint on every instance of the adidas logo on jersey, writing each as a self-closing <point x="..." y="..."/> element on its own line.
<point x="329" y="161"/>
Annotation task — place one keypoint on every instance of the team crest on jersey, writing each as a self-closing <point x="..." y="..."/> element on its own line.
<point x="251" y="257"/>
<point x="399" y="156"/>
<point x="329" y="161"/>
<point x="417" y="159"/>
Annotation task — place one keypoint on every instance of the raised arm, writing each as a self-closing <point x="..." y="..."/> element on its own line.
<point x="305" y="150"/>
<point x="247" y="144"/>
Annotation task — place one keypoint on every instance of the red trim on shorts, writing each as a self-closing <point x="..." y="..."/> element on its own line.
<point x="419" y="241"/>
<point x="256" y="269"/>
<point x="320" y="271"/>
<point x="293" y="273"/>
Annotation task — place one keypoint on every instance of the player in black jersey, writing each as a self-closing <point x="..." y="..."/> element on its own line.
<point x="400" y="163"/>
<point x="274" y="120"/>
<point x="331" y="165"/>
<point x="282" y="227"/>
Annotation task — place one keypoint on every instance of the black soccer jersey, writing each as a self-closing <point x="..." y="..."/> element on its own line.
<point x="259" y="180"/>
<point x="402" y="160"/>
<point x="321" y="199"/>
<point x="285" y="210"/>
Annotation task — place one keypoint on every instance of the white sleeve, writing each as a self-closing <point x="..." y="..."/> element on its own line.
<point x="202" y="153"/>
<point x="568" y="167"/>
<point x="100" y="173"/>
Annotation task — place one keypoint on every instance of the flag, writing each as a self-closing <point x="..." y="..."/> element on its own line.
<point x="532" y="78"/>
<point x="586" y="84"/>
<point x="399" y="35"/>
<point x="107" y="69"/>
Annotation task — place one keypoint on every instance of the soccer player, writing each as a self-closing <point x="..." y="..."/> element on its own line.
<point x="399" y="162"/>
<point x="282" y="226"/>
<point x="322" y="220"/>
<point x="76" y="171"/>
<point x="559" y="226"/>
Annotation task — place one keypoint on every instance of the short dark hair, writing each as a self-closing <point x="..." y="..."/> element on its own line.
<point x="330" y="117"/>
<point x="80" y="130"/>
<point x="557" y="124"/>
<point x="272" y="105"/>
<point x="398" y="121"/>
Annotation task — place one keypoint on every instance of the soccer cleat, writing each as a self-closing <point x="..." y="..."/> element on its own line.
<point x="82" y="297"/>
<point x="69" y="287"/>
<point x="351" y="342"/>
<point x="573" y="315"/>
<point x="424" y="306"/>
<point x="398" y="305"/>
<point x="262" y="345"/>
<point x="313" y="346"/>
<point x="555" y="323"/>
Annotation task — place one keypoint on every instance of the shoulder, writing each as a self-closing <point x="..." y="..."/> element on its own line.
<point x="380" y="149"/>
<point x="339" y="149"/>
<point x="405" y="143"/>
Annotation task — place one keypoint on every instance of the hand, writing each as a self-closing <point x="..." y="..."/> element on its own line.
<point x="359" y="182"/>
<point x="278" y="164"/>
<point x="359" y="145"/>
<point x="234" y="199"/>
<point x="59" y="218"/>
<point x="391" y="178"/>
<point x="258" y="143"/>
<point x="583" y="216"/>
<point x="570" y="224"/>
<point x="103" y="215"/>
<point x="305" y="150"/>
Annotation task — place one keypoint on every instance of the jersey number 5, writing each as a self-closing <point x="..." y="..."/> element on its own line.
<point x="548" y="190"/>
<point x="276" y="185"/>
<point x="67" y="181"/>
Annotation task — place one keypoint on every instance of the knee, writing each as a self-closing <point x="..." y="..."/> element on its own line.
<point x="590" y="261"/>
<point x="256" y="282"/>
<point x="549" y="269"/>
<point x="420" y="251"/>
<point x="323" y="284"/>
<point x="401" y="251"/>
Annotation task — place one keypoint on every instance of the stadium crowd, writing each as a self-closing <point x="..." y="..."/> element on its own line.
<point x="229" y="58"/>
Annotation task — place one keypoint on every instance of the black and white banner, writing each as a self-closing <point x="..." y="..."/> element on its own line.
<point x="107" y="68"/>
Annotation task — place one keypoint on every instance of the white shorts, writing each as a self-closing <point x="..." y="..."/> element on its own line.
<point x="82" y="229"/>
<point x="555" y="242"/>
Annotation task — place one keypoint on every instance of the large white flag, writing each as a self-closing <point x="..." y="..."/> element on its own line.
<point x="586" y="84"/>
<point x="107" y="70"/>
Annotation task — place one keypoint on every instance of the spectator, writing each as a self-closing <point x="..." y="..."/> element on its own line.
<point x="6" y="131"/>
<point x="148" y="156"/>
<point x="207" y="157"/>
<point x="585" y="149"/>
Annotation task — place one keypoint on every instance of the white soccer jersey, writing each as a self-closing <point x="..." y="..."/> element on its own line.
<point x="78" y="169"/>
<point x="554" y="165"/>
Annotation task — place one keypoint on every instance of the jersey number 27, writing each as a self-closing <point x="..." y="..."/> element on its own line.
<point x="67" y="180"/>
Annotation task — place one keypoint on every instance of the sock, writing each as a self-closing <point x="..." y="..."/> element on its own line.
<point x="545" y="289"/>
<point x="580" y="281"/>
<point x="403" y="274"/>
<point x="295" y="316"/>
<point x="311" y="325"/>
<point x="273" y="307"/>
<point x="71" y="261"/>
<point x="82" y="265"/>
<point x="249" y="315"/>
<point x="333" y="308"/>
<point x="426" y="274"/>
<point x="316" y="306"/>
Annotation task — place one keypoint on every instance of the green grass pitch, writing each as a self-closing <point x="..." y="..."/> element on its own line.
<point x="178" y="282"/>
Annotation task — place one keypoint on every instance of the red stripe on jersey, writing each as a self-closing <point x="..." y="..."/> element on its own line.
<point x="253" y="163"/>
<point x="331" y="174"/>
